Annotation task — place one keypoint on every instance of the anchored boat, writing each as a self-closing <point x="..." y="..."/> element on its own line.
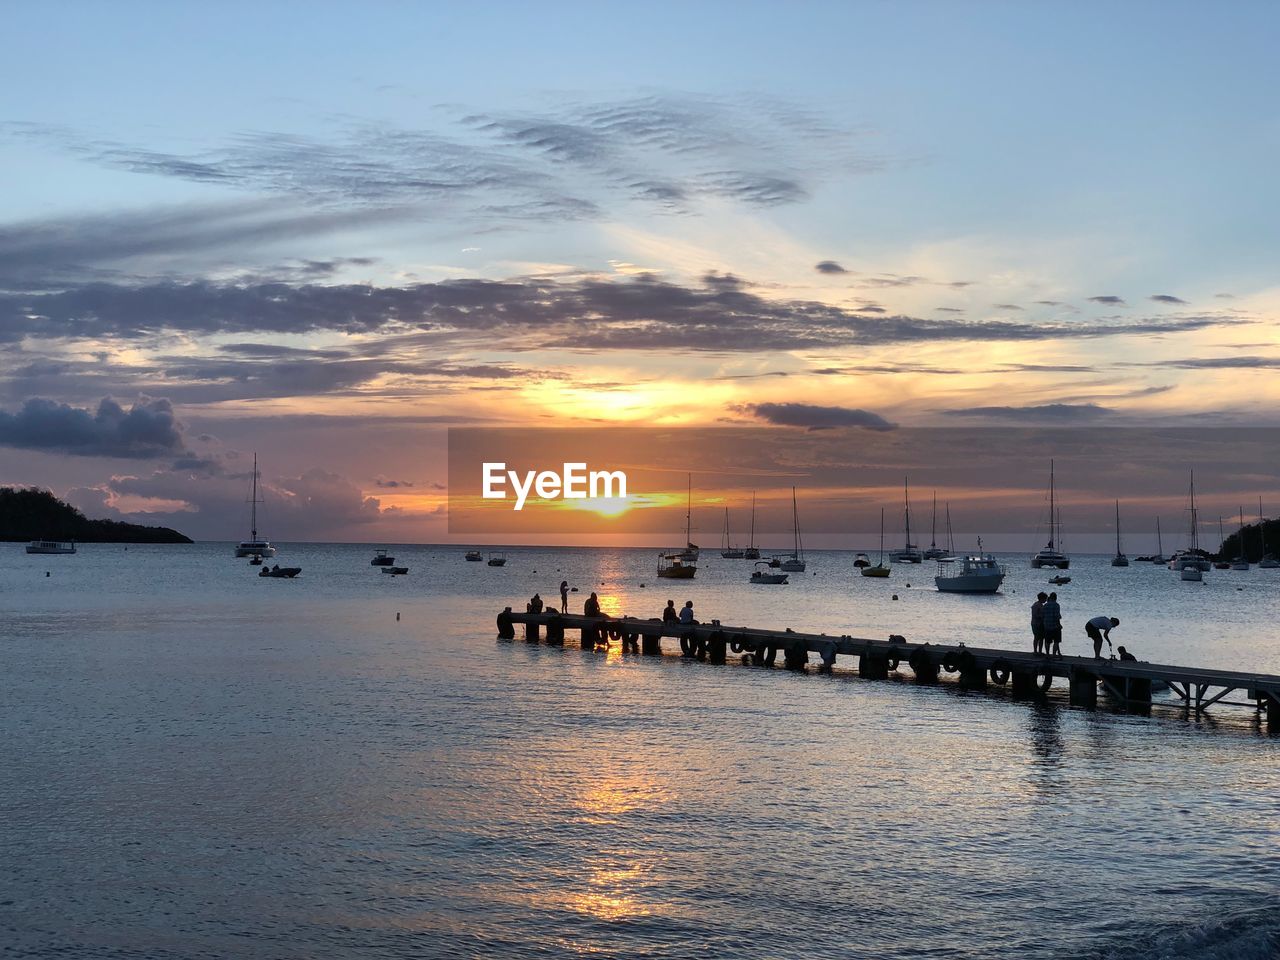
<point x="254" y="547"/>
<point x="909" y="553"/>
<point x="51" y="546"/>
<point x="795" y="562"/>
<point x="1119" y="560"/>
<point x="380" y="559"/>
<point x="1052" y="555"/>
<point x="975" y="573"/>
<point x="673" y="566"/>
<point x="881" y="569"/>
<point x="762" y="574"/>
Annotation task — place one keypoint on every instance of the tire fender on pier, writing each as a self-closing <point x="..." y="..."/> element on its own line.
<point x="1000" y="672"/>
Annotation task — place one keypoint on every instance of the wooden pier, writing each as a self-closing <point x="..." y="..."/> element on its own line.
<point x="1128" y="683"/>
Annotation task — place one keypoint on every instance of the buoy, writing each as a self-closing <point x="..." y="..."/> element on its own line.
<point x="397" y="616"/>
<point x="46" y="573"/>
<point x="895" y="596"/>
<point x="908" y="584"/>
<point x="642" y="586"/>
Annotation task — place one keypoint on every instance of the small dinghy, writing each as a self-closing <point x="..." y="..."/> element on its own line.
<point x="763" y="574"/>
<point x="1059" y="580"/>
<point x="279" y="571"/>
<point x="395" y="571"/>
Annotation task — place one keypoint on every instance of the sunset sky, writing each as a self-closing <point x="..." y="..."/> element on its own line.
<point x="328" y="236"/>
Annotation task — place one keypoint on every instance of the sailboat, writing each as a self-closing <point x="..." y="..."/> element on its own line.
<point x="1220" y="563"/>
<point x="681" y="564"/>
<point x="1051" y="555"/>
<point x="728" y="550"/>
<point x="254" y="547"/>
<point x="1159" y="557"/>
<point x="1119" y="560"/>
<point x="909" y="553"/>
<point x="752" y="552"/>
<point x="880" y="569"/>
<point x="1268" y="561"/>
<point x="1191" y="558"/>
<point x="934" y="551"/>
<point x="795" y="562"/>
<point x="1240" y="561"/>
<point x="951" y="540"/>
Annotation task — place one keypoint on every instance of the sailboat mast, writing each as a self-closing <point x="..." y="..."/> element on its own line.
<point x="795" y="523"/>
<point x="752" y="541"/>
<point x="253" y="503"/>
<point x="906" y="499"/>
<point x="1052" y="514"/>
<point x="881" y="536"/>
<point x="688" y="515"/>
<point x="933" y="526"/>
<point x="1159" y="540"/>
<point x="951" y="540"/>
<point x="1262" y="528"/>
<point x="1117" y="528"/>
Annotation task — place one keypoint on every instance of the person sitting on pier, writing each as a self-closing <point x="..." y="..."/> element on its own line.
<point x="1052" y="627"/>
<point x="1125" y="654"/>
<point x="686" y="613"/>
<point x="1099" y="629"/>
<point x="535" y="604"/>
<point x="1037" y="623"/>
<point x="592" y="607"/>
<point x="669" y="614"/>
<point x="564" y="596"/>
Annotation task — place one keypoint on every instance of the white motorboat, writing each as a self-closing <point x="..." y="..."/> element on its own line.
<point x="794" y="563"/>
<point x="909" y="553"/>
<point x="1119" y="560"/>
<point x="1051" y="555"/>
<point x="51" y="546"/>
<point x="254" y="546"/>
<point x="762" y="574"/>
<point x="974" y="573"/>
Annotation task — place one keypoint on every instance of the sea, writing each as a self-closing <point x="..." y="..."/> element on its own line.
<point x="197" y="762"/>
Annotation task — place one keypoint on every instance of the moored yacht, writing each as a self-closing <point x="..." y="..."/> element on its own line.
<point x="1191" y="557"/>
<point x="51" y="546"/>
<point x="673" y="566"/>
<point x="795" y="562"/>
<point x="909" y="553"/>
<point x="254" y="546"/>
<point x="1051" y="555"/>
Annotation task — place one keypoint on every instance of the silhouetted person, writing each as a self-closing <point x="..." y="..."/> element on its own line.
<point x="1052" y="626"/>
<point x="669" y="614"/>
<point x="686" y="613"/>
<point x="1125" y="654"/>
<point x="564" y="596"/>
<point x="592" y="607"/>
<point x="1099" y="629"/>
<point x="1037" y="623"/>
<point x="535" y="604"/>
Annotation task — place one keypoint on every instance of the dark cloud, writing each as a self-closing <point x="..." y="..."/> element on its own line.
<point x="949" y="309"/>
<point x="1050" y="303"/>
<point x="814" y="417"/>
<point x="381" y="481"/>
<point x="1108" y="300"/>
<point x="1166" y="298"/>
<point x="147" y="429"/>
<point x="1006" y="306"/>
<point x="1220" y="363"/>
<point x="829" y="266"/>
<point x="580" y="312"/>
<point x="1043" y="413"/>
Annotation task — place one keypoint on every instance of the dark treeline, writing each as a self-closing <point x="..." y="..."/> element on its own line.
<point x="39" y="515"/>
<point x="1254" y="535"/>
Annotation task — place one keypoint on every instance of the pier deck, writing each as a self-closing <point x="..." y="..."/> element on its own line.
<point x="1128" y="683"/>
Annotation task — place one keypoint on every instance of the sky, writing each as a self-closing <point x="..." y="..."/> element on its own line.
<point x="327" y="233"/>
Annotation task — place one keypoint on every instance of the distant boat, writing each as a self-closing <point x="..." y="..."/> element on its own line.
<point x="254" y="546"/>
<point x="380" y="559"/>
<point x="909" y="553"/>
<point x="862" y="560"/>
<point x="934" y="552"/>
<point x="1221" y="564"/>
<point x="673" y="566"/>
<point x="1192" y="556"/>
<point x="880" y="569"/>
<point x="752" y="552"/>
<point x="497" y="559"/>
<point x="728" y="550"/>
<point x="761" y="574"/>
<point x="976" y="573"/>
<point x="1240" y="562"/>
<point x="279" y="571"/>
<point x="397" y="571"/>
<point x="1059" y="580"/>
<point x="1159" y="556"/>
<point x="1268" y="561"/>
<point x="475" y="556"/>
<point x="1052" y="555"/>
<point x="1119" y="560"/>
<point x="51" y="546"/>
<point x="795" y="562"/>
<point x="691" y="550"/>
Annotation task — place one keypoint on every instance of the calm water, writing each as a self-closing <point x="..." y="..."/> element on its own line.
<point x="199" y="763"/>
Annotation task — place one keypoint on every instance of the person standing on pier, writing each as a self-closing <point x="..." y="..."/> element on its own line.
<point x="1037" y="623"/>
<point x="1099" y="629"/>
<point x="564" y="596"/>
<point x="1052" y="627"/>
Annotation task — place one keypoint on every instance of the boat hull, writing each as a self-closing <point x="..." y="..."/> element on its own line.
<point x="963" y="584"/>
<point x="875" y="571"/>
<point x="677" y="573"/>
<point x="255" y="550"/>
<point x="769" y="578"/>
